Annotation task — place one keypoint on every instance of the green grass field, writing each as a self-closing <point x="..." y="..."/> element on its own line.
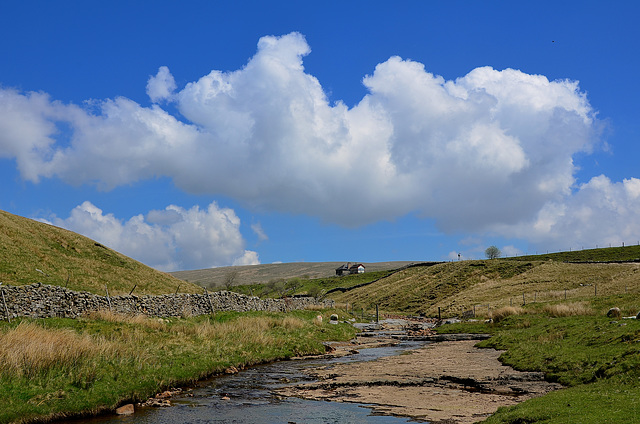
<point x="597" y="358"/>
<point x="56" y="368"/>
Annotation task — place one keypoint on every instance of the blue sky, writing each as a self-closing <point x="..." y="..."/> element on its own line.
<point x="198" y="133"/>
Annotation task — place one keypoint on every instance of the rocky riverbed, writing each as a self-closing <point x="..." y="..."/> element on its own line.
<point x="444" y="382"/>
<point x="441" y="379"/>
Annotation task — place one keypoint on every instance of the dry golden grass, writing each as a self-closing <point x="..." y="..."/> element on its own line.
<point x="137" y="319"/>
<point x="29" y="349"/>
<point x="254" y="329"/>
<point x="457" y="287"/>
<point x="292" y="323"/>
<point x="498" y="315"/>
<point x="314" y="307"/>
<point x="568" y="309"/>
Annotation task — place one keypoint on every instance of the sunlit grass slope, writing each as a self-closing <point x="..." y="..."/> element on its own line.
<point x="455" y="287"/>
<point x="31" y="252"/>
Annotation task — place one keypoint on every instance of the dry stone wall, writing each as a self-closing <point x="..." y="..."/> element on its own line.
<point x="45" y="301"/>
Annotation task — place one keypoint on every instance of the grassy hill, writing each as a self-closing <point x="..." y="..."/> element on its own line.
<point x="31" y="252"/>
<point x="627" y="253"/>
<point x="456" y="287"/>
<point x="262" y="274"/>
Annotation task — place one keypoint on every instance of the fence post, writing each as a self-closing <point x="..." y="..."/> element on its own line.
<point x="108" y="298"/>
<point x="6" y="310"/>
<point x="377" y="315"/>
<point x="134" y="287"/>
<point x="178" y="288"/>
<point x="524" y="302"/>
<point x="440" y="315"/>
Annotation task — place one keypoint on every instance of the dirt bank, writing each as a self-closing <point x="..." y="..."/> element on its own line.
<point x="445" y="382"/>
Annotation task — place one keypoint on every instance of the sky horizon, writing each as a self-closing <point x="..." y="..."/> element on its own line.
<point x="206" y="134"/>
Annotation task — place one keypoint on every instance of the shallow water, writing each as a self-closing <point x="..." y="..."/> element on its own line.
<point x="251" y="400"/>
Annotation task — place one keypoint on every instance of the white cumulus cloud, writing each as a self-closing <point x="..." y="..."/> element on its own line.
<point x="490" y="149"/>
<point x="601" y="212"/>
<point x="161" y="86"/>
<point x="171" y="239"/>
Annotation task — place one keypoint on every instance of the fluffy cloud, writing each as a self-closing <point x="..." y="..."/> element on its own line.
<point x="161" y="86"/>
<point x="601" y="212"/>
<point x="487" y="151"/>
<point x="170" y="239"/>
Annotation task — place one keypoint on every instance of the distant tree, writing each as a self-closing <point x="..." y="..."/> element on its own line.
<point x="314" y="291"/>
<point x="293" y="285"/>
<point x="271" y="286"/>
<point x="280" y="287"/>
<point x="492" y="252"/>
<point x="230" y="279"/>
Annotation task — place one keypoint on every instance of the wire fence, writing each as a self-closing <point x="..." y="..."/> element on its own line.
<point x="583" y="292"/>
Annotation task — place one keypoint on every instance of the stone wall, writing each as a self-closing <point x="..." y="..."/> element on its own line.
<point x="45" y="301"/>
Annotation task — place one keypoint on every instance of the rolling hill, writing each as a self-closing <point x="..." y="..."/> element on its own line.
<point x="262" y="274"/>
<point x="32" y="252"/>
<point x="455" y="287"/>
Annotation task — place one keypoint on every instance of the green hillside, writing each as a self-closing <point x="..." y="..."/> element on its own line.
<point x="455" y="287"/>
<point x="31" y="252"/>
<point x="626" y="253"/>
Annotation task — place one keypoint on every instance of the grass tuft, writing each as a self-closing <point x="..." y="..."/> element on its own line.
<point x="568" y="309"/>
<point x="498" y="315"/>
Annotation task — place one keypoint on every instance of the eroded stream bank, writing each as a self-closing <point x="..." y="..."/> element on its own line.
<point x="250" y="397"/>
<point x="444" y="382"/>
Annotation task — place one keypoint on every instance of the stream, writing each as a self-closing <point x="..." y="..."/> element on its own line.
<point x="247" y="398"/>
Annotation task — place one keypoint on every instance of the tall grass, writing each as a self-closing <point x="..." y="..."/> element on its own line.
<point x="568" y="309"/>
<point x="158" y="324"/>
<point x="58" y="367"/>
<point x="498" y="315"/>
<point x="30" y="350"/>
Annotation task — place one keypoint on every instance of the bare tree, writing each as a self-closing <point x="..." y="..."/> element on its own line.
<point x="230" y="279"/>
<point x="492" y="252"/>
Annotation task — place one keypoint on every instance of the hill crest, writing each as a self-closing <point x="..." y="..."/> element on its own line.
<point x="35" y="252"/>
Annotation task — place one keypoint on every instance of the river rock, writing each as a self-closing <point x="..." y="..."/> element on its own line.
<point x="231" y="370"/>
<point x="125" y="409"/>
